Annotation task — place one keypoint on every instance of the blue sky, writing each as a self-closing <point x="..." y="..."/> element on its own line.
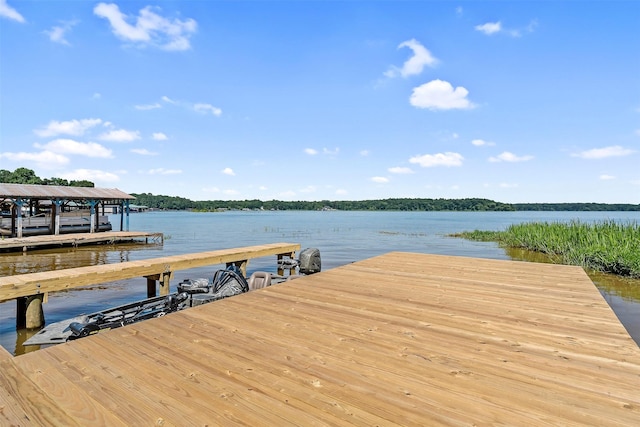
<point x="326" y="100"/>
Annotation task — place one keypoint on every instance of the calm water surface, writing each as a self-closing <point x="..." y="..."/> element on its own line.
<point x="342" y="237"/>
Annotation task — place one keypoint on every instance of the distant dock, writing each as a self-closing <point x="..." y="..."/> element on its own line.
<point x="77" y="239"/>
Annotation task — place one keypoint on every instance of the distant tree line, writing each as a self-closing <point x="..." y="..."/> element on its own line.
<point x="168" y="202"/>
<point x="575" y="207"/>
<point x="27" y="176"/>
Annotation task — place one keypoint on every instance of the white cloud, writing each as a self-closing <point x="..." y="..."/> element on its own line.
<point x="71" y="127"/>
<point x="163" y="171"/>
<point x="380" y="179"/>
<point x="263" y="188"/>
<point x="57" y="33"/>
<point x="46" y="159"/>
<point x="509" y="157"/>
<point x="601" y="153"/>
<point x="145" y="107"/>
<point x="207" y="108"/>
<point x="400" y="170"/>
<point x="341" y="192"/>
<point x="143" y="152"/>
<point x="231" y="192"/>
<point x="7" y="11"/>
<point x="440" y="95"/>
<point x="482" y="142"/>
<point x="69" y="146"/>
<point x="365" y="153"/>
<point x="228" y="171"/>
<point x="507" y="185"/>
<point x="439" y="159"/>
<point x="606" y="177"/>
<point x="159" y="136"/>
<point x="489" y="28"/>
<point x="310" y="151"/>
<point x="90" y="175"/>
<point x="120" y="135"/>
<point x="149" y="29"/>
<point x="333" y="152"/>
<point x="200" y="107"/>
<point x="415" y="64"/>
<point x="308" y="189"/>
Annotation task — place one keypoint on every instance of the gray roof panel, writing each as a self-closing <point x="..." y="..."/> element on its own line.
<point x="48" y="192"/>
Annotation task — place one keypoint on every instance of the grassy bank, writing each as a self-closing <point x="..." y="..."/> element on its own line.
<point x="606" y="246"/>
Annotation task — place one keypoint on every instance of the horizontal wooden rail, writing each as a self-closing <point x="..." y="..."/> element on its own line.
<point x="24" y="285"/>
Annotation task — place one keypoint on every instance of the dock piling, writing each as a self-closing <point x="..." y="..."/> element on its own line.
<point x="29" y="313"/>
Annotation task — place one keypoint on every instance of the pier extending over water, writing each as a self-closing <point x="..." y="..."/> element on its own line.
<point x="399" y="339"/>
<point x="76" y="239"/>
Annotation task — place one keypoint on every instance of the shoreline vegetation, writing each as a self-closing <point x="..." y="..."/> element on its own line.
<point x="160" y="202"/>
<point x="604" y="246"/>
<point x="392" y="204"/>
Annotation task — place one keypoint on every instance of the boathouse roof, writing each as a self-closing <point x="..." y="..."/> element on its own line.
<point x="49" y="192"/>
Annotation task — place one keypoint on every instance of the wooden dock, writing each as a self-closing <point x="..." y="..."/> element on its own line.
<point x="31" y="290"/>
<point x="399" y="339"/>
<point x="76" y="239"/>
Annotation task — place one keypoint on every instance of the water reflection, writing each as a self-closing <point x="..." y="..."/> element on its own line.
<point x="21" y="336"/>
<point x="61" y="258"/>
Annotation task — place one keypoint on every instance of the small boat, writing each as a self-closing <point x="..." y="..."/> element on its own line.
<point x="190" y="293"/>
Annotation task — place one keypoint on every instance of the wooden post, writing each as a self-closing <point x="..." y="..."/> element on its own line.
<point x="151" y="287"/>
<point x="292" y="270"/>
<point x="94" y="221"/>
<point x="29" y="313"/>
<point x="58" y="210"/>
<point x="164" y="283"/>
<point x="19" y="203"/>
<point x="242" y="265"/>
<point x="127" y="212"/>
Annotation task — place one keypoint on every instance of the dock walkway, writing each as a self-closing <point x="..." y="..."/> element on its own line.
<point x="399" y="339"/>
<point x="76" y="239"/>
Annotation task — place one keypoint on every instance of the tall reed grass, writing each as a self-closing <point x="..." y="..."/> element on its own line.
<point x="607" y="246"/>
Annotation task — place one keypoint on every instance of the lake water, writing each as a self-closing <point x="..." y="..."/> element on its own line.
<point x="342" y="237"/>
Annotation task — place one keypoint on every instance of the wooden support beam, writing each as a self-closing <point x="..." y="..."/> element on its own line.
<point x="151" y="286"/>
<point x="242" y="265"/>
<point x="22" y="285"/>
<point x="292" y="270"/>
<point x="164" y="283"/>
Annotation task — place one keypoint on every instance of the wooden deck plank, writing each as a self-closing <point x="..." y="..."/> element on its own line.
<point x="399" y="339"/>
<point x="358" y="336"/>
<point x="23" y="403"/>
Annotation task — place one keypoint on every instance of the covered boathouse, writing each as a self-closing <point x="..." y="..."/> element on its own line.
<point x="52" y="210"/>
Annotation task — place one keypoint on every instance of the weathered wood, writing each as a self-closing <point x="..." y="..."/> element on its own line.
<point x="399" y="339"/>
<point x="75" y="239"/>
<point x="12" y="287"/>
